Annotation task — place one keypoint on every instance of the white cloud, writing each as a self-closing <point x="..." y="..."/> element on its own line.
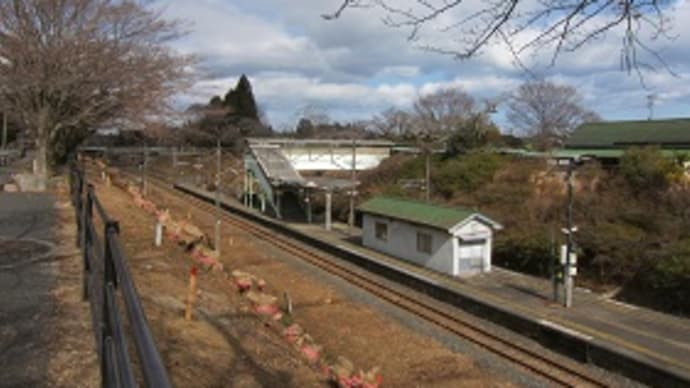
<point x="355" y="66"/>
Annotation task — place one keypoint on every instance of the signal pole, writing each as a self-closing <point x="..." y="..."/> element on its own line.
<point x="353" y="180"/>
<point x="568" y="272"/>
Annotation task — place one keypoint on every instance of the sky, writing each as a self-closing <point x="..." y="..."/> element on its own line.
<point x="354" y="67"/>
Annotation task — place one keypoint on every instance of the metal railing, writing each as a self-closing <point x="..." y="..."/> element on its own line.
<point x="105" y="273"/>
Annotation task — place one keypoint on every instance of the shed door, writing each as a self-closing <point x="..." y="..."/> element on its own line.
<point x="470" y="256"/>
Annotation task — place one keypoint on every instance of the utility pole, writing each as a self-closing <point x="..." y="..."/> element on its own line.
<point x="353" y="184"/>
<point x="554" y="265"/>
<point x="216" y="243"/>
<point x="427" y="176"/>
<point x="4" y="130"/>
<point x="651" y="101"/>
<point x="567" y="275"/>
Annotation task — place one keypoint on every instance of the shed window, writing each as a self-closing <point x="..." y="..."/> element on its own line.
<point x="423" y="242"/>
<point x="381" y="231"/>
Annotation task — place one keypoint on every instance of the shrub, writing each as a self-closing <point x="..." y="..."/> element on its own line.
<point x="465" y="173"/>
<point x="665" y="283"/>
<point x="530" y="252"/>
<point x="647" y="169"/>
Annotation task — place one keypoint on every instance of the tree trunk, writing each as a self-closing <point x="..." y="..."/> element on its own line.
<point x="41" y="167"/>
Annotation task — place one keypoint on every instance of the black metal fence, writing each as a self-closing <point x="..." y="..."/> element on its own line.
<point x="105" y="273"/>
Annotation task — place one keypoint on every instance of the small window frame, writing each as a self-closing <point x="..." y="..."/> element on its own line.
<point x="381" y="230"/>
<point x="425" y="242"/>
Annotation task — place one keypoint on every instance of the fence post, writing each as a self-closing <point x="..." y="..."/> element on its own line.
<point x="77" y="201"/>
<point x="86" y="220"/>
<point x="111" y="227"/>
<point x="109" y="280"/>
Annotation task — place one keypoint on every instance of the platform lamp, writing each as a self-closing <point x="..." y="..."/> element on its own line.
<point x="569" y="262"/>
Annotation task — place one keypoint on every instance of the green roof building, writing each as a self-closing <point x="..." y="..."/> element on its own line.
<point x="456" y="241"/>
<point x="610" y="139"/>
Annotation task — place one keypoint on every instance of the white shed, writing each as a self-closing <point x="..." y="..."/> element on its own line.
<point x="455" y="241"/>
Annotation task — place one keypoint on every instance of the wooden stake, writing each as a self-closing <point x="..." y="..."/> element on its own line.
<point x="191" y="294"/>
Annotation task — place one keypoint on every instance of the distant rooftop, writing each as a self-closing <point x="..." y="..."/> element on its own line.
<point x="421" y="213"/>
<point x="670" y="133"/>
<point x="276" y="141"/>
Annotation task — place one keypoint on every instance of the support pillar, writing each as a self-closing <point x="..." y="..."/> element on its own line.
<point x="262" y="197"/>
<point x="245" y="187"/>
<point x="308" y="201"/>
<point x="251" y="190"/>
<point x="279" y="204"/>
<point x="328" y="210"/>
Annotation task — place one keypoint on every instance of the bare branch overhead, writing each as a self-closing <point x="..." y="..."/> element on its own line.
<point x="528" y="26"/>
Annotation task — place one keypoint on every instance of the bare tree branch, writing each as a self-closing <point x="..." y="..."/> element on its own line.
<point x="555" y="26"/>
<point x="547" y="112"/>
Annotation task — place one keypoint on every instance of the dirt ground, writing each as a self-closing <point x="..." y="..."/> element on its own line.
<point x="228" y="345"/>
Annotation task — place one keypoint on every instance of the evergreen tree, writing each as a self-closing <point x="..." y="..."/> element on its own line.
<point x="240" y="100"/>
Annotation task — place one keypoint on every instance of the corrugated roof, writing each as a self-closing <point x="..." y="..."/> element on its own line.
<point x="416" y="212"/>
<point x="612" y="134"/>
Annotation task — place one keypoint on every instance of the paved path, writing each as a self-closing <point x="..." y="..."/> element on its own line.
<point x="44" y="327"/>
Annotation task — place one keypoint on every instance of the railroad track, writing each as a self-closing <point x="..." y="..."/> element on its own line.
<point x="552" y="370"/>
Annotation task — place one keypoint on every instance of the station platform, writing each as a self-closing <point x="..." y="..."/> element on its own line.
<point x="644" y="344"/>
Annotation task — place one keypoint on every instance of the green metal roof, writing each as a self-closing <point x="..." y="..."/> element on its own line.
<point x="613" y="153"/>
<point x="416" y="212"/>
<point x="616" y="134"/>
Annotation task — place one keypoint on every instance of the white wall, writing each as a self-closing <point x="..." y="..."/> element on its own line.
<point x="334" y="159"/>
<point x="447" y="249"/>
<point x="402" y="243"/>
<point x="474" y="232"/>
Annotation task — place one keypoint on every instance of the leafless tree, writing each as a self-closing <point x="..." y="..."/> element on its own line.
<point x="70" y="66"/>
<point x="315" y="113"/>
<point x="392" y="123"/>
<point x="443" y="111"/>
<point x="525" y="26"/>
<point x="547" y="111"/>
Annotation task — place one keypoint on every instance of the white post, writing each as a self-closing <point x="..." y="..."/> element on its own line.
<point x="328" y="210"/>
<point x="263" y="202"/>
<point x="159" y="234"/>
